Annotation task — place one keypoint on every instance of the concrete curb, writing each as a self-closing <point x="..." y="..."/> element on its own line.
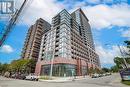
<point x="54" y="80"/>
<point x="64" y="79"/>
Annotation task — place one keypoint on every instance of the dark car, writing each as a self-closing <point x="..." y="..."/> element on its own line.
<point x="125" y="74"/>
<point x="22" y="76"/>
<point x="19" y="76"/>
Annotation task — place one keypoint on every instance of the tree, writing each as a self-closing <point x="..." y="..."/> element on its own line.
<point x="3" y="68"/>
<point x="128" y="46"/>
<point x="31" y="65"/>
<point x="97" y="70"/>
<point x="23" y="65"/>
<point x="0" y="68"/>
<point x="106" y="69"/>
<point x="119" y="62"/>
<point x="127" y="43"/>
<point x="114" y="69"/>
<point x="19" y="66"/>
<point x="91" y="70"/>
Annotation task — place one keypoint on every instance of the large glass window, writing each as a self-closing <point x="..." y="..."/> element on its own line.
<point x="84" y="70"/>
<point x="59" y="70"/>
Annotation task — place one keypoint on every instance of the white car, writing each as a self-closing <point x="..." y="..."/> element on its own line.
<point x="32" y="77"/>
<point x="95" y="75"/>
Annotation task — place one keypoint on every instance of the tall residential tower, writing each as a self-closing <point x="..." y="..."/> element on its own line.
<point x="33" y="39"/>
<point x="68" y="46"/>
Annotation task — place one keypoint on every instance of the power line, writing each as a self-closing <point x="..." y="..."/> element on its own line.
<point x="12" y="23"/>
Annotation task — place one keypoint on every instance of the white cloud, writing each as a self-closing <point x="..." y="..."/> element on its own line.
<point x="107" y="54"/>
<point x="6" y="49"/>
<point x="125" y="33"/>
<point x="100" y="16"/>
<point x="106" y="1"/>
<point x="93" y="1"/>
<point x="45" y="9"/>
<point x="104" y="16"/>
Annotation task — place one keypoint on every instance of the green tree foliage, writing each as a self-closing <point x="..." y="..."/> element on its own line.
<point x="114" y="69"/>
<point x="105" y="70"/>
<point x="3" y="68"/>
<point x="20" y="65"/>
<point x="0" y="67"/>
<point x="94" y="70"/>
<point x="128" y="46"/>
<point x="91" y="70"/>
<point x="31" y="65"/>
<point x="127" y="43"/>
<point x="120" y="61"/>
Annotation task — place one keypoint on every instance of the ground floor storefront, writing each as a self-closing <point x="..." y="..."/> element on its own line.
<point x="62" y="67"/>
<point x="62" y="70"/>
<point x="59" y="70"/>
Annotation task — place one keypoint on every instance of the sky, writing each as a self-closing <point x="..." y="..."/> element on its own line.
<point x="109" y="20"/>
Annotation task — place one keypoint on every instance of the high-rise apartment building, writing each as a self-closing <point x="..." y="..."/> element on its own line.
<point x="84" y="27"/>
<point x="33" y="39"/>
<point x="68" y="46"/>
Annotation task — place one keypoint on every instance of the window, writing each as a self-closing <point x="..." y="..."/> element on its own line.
<point x="59" y="70"/>
<point x="63" y="34"/>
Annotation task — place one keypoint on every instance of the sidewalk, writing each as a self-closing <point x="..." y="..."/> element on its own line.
<point x="65" y="79"/>
<point x="117" y="82"/>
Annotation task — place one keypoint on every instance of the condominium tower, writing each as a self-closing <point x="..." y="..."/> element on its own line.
<point x="33" y="39"/>
<point x="68" y="46"/>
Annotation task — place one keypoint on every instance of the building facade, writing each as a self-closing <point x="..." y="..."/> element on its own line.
<point x="68" y="46"/>
<point x="33" y="39"/>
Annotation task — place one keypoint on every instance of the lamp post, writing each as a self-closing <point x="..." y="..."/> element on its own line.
<point x="52" y="60"/>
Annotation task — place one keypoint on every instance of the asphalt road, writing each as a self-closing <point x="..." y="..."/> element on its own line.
<point x="107" y="81"/>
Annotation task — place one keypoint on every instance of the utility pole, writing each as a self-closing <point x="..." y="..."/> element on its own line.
<point x="123" y="56"/>
<point x="12" y="22"/>
<point x="52" y="61"/>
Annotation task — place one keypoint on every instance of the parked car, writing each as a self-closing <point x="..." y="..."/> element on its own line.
<point x="100" y="75"/>
<point x="18" y="76"/>
<point x="95" y="75"/>
<point x="108" y="74"/>
<point x="104" y="74"/>
<point x="22" y="76"/>
<point x="13" y="75"/>
<point x="32" y="77"/>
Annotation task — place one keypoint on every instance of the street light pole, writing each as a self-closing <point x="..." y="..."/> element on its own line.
<point x="52" y="60"/>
